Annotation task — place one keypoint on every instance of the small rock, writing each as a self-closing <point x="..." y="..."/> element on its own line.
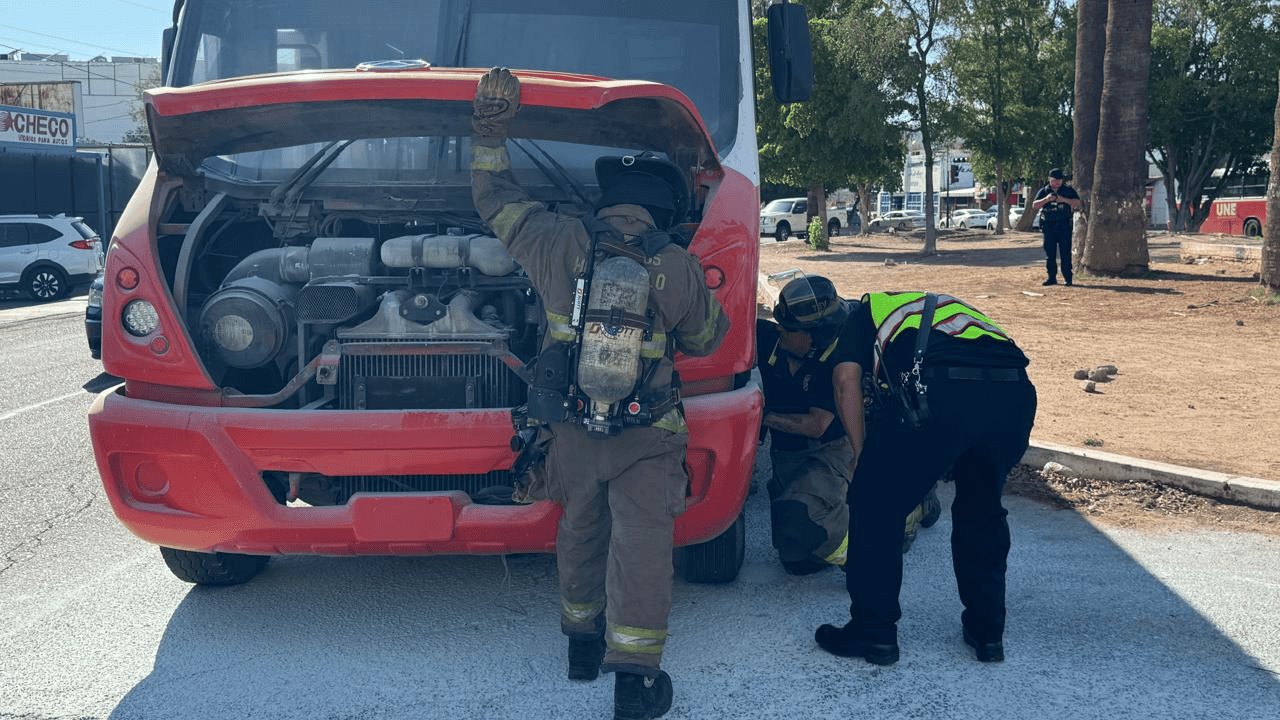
<point x="1192" y="407"/>
<point x="1089" y="386"/>
<point x="1099" y="375"/>
<point x="1059" y="468"/>
<point x="1081" y="374"/>
<point x="889" y="262"/>
<point x="1240" y="323"/>
<point x="1108" y="369"/>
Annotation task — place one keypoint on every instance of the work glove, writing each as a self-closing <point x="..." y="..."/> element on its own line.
<point x="497" y="100"/>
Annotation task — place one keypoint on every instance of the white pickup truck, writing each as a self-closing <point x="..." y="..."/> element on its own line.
<point x="790" y="216"/>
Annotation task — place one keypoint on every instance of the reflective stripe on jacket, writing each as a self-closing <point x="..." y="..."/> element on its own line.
<point x="893" y="313"/>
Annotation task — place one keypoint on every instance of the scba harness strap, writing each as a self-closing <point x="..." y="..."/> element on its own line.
<point x="554" y="396"/>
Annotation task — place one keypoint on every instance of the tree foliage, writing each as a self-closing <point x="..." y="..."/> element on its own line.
<point x="841" y="135"/>
<point x="1212" y="66"/>
<point x="1012" y="66"/>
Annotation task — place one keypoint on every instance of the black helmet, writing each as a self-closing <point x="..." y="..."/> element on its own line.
<point x="646" y="180"/>
<point x="810" y="303"/>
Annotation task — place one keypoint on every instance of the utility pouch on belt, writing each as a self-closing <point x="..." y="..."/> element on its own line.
<point x="549" y="391"/>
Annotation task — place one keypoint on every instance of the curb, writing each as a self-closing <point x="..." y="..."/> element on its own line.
<point x="1256" y="492"/>
<point x="1225" y="251"/>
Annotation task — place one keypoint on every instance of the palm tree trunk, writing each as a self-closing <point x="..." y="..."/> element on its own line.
<point x="1117" y="236"/>
<point x="1271" y="235"/>
<point x="1091" y="44"/>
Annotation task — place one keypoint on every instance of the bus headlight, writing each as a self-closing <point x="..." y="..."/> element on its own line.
<point x="140" y="318"/>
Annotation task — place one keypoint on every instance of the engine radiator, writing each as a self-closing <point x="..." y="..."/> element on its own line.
<point x="397" y="381"/>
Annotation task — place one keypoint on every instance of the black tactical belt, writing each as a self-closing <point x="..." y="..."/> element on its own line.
<point x="972" y="373"/>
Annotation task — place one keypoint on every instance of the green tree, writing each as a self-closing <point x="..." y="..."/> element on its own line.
<point x="1012" y="72"/>
<point x="138" y="110"/>
<point x="925" y="24"/>
<point x="1211" y="97"/>
<point x="841" y="134"/>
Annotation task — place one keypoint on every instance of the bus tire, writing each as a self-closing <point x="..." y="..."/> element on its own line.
<point x="717" y="560"/>
<point x="213" y="568"/>
<point x="1252" y="228"/>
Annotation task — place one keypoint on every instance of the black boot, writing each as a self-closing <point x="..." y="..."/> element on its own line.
<point x="987" y="652"/>
<point x="636" y="697"/>
<point x="585" y="654"/>
<point x="844" y="641"/>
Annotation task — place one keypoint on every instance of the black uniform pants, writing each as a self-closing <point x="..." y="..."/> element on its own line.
<point x="979" y="431"/>
<point x="1057" y="244"/>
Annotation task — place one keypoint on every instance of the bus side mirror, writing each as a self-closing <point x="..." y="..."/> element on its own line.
<point x="790" y="54"/>
<point x="166" y="53"/>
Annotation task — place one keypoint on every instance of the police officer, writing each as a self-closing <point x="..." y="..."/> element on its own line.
<point x="810" y="452"/>
<point x="620" y="489"/>
<point x="1056" y="202"/>
<point x="962" y="402"/>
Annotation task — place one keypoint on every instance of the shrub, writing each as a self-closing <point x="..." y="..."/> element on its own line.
<point x="818" y="234"/>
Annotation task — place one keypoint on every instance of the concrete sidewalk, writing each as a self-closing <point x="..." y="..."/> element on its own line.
<point x="1253" y="491"/>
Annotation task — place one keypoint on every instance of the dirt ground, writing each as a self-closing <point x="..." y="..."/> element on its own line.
<point x="1145" y="505"/>
<point x="1198" y="356"/>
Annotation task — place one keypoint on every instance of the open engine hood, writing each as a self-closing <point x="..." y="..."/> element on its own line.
<point x="256" y="113"/>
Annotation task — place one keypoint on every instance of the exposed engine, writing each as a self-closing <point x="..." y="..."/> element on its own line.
<point x="426" y="321"/>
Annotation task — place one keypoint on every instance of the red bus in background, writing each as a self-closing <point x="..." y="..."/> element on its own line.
<point x="1237" y="216"/>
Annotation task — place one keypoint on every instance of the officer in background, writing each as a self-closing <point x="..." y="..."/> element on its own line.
<point x="810" y="452"/>
<point x="620" y="492"/>
<point x="962" y="402"/>
<point x="1056" y="203"/>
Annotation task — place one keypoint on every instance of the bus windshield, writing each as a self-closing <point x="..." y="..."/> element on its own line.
<point x="692" y="46"/>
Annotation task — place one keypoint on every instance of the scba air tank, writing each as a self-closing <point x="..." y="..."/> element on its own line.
<point x="613" y="329"/>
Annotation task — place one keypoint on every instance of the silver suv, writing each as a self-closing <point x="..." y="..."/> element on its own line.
<point x="46" y="256"/>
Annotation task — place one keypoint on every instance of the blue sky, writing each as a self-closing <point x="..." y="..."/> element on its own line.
<point x="84" y="28"/>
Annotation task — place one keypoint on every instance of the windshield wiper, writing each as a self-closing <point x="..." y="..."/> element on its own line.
<point x="291" y="189"/>
<point x="460" y="50"/>
<point x="553" y="170"/>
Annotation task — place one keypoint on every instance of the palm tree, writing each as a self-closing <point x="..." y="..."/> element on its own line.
<point x="1091" y="43"/>
<point x="1117" y="240"/>
<point x="1271" y="238"/>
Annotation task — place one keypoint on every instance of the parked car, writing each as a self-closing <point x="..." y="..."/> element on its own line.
<point x="897" y="220"/>
<point x="1015" y="214"/>
<point x="93" y="318"/>
<point x="785" y="217"/>
<point x="840" y="219"/>
<point x="46" y="256"/>
<point x="968" y="218"/>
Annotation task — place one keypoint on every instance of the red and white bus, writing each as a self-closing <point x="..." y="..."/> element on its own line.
<point x="1237" y="216"/>
<point x="287" y="390"/>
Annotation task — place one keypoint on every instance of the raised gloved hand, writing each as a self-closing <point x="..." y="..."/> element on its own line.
<point x="497" y="100"/>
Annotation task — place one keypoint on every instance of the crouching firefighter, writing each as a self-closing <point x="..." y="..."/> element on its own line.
<point x="621" y="295"/>
<point x="810" y="453"/>
<point x="960" y="400"/>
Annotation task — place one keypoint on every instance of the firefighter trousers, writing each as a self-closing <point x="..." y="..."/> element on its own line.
<point x="621" y="496"/>
<point x="808" y="511"/>
<point x="979" y="430"/>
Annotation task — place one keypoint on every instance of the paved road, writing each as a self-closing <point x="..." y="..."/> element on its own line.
<point x="1103" y="623"/>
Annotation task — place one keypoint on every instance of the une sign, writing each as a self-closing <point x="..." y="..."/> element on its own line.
<point x="30" y="128"/>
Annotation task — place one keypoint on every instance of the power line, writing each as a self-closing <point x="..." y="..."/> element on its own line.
<point x="84" y="70"/>
<point x="70" y="40"/>
<point x="144" y="7"/>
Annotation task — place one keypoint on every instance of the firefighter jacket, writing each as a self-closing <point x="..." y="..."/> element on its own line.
<point x="553" y="249"/>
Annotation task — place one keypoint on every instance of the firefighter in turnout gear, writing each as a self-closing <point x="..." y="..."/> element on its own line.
<point x="620" y="479"/>
<point x="956" y="398"/>
<point x="809" y="450"/>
